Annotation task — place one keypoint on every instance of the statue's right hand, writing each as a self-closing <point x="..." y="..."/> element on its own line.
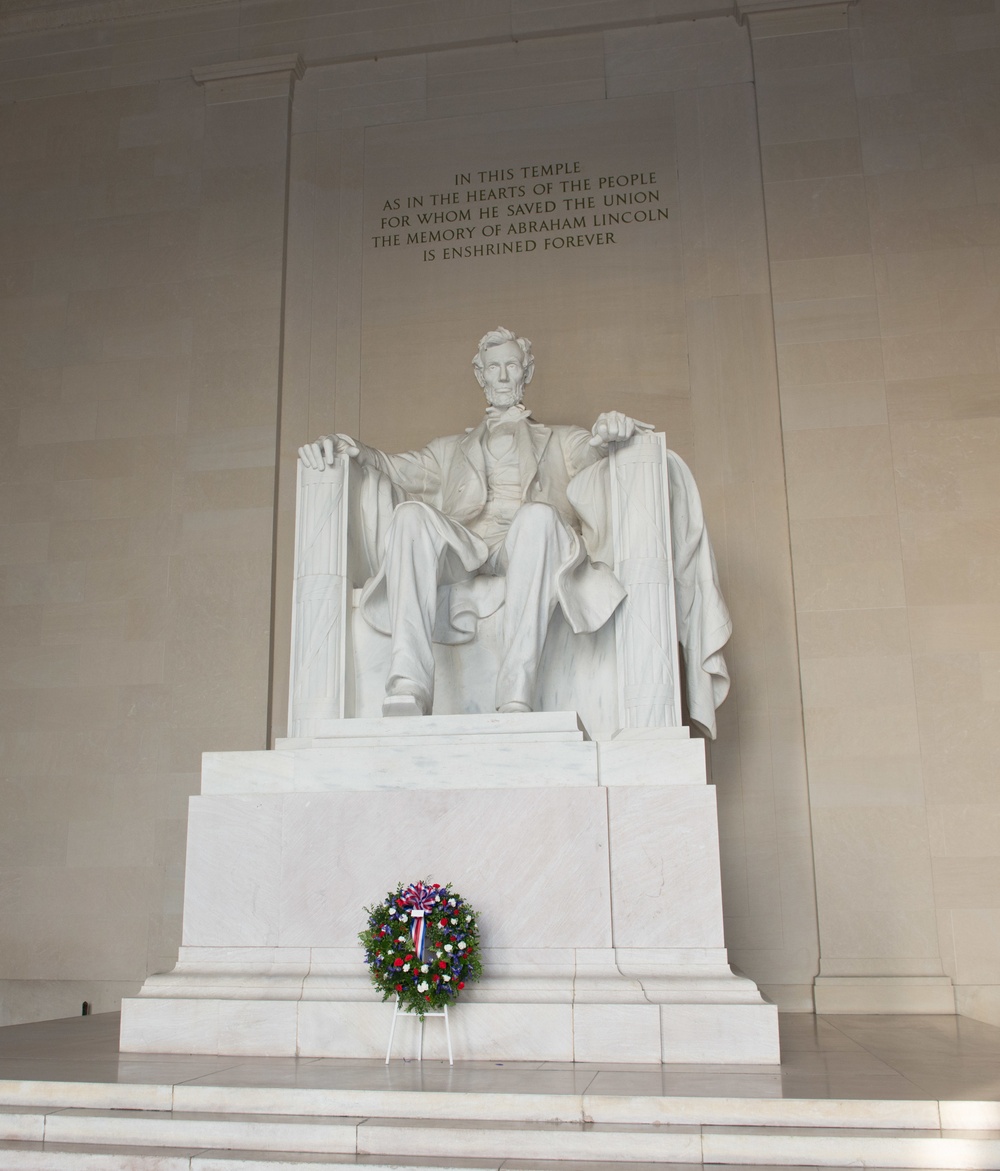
<point x="321" y="454"/>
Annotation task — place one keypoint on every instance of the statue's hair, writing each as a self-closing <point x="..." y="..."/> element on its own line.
<point x="497" y="337"/>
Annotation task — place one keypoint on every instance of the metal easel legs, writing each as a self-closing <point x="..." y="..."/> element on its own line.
<point x="420" y="1046"/>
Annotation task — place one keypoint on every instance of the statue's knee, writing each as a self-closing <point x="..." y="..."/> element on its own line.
<point x="536" y="517"/>
<point x="409" y="520"/>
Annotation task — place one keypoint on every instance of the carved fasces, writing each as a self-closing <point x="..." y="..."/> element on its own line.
<point x="645" y="623"/>
<point x="320" y="596"/>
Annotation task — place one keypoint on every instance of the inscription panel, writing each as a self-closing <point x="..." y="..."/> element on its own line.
<point x="559" y="222"/>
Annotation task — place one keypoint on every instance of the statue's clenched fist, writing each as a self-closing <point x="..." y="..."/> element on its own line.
<point x="615" y="427"/>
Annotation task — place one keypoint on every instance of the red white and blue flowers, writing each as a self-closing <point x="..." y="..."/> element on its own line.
<point x="422" y="945"/>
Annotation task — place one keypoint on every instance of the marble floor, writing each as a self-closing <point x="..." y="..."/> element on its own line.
<point x="834" y="1057"/>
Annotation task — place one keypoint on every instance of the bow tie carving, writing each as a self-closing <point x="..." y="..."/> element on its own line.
<point x="496" y="416"/>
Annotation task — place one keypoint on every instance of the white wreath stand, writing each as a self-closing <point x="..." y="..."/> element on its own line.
<point x="420" y="1044"/>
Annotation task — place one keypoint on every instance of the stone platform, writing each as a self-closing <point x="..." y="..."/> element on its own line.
<point x="594" y="868"/>
<point x="901" y="1092"/>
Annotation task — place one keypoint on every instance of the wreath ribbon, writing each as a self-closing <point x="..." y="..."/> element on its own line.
<point x="419" y="899"/>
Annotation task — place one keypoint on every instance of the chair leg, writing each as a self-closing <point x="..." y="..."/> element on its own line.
<point x="447" y="1033"/>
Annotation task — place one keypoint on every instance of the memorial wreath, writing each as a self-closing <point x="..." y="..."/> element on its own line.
<point x="422" y="945"/>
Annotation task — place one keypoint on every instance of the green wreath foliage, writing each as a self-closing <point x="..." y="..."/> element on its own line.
<point x="451" y="957"/>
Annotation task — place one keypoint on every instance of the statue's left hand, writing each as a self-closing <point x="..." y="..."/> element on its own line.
<point x="615" y="427"/>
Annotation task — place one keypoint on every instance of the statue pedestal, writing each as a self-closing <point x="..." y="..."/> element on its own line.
<point x="594" y="868"/>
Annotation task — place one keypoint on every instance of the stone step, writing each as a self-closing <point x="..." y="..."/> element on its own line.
<point x="75" y="1157"/>
<point x="27" y="1096"/>
<point x="68" y="1157"/>
<point x="406" y="1142"/>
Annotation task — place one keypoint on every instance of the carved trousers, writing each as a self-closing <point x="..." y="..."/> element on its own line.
<point x="426" y="550"/>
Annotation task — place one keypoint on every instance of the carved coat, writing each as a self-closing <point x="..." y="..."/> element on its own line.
<point x="449" y="474"/>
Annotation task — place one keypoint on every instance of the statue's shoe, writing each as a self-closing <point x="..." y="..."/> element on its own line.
<point x="402" y="705"/>
<point x="513" y="705"/>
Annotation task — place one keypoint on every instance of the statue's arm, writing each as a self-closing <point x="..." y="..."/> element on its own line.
<point x="416" y="472"/>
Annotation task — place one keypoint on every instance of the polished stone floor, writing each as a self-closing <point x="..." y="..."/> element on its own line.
<point x="853" y="1057"/>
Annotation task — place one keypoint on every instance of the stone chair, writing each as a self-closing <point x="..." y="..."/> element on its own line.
<point x="623" y="677"/>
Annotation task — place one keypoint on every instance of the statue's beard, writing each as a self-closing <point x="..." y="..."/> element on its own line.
<point x="499" y="397"/>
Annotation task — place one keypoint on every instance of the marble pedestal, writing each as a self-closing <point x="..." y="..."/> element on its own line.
<point x="594" y="868"/>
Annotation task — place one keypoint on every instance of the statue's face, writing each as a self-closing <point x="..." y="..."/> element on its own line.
<point x="503" y="375"/>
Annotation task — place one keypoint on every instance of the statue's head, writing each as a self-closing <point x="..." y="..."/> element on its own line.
<point x="503" y="366"/>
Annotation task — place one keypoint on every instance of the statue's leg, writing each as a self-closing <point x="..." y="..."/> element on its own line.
<point x="538" y="544"/>
<point x="420" y="555"/>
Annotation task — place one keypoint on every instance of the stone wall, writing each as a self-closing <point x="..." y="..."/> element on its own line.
<point x="140" y="323"/>
<point x="183" y="295"/>
<point x="881" y="152"/>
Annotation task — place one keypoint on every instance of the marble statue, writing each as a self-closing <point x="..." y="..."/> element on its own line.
<point x="521" y="511"/>
<point x="493" y="501"/>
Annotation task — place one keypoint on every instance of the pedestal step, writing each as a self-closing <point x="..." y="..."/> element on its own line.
<point x="544" y="753"/>
<point x="44" y="1125"/>
<point x="521" y="726"/>
<point x="599" y="1017"/>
